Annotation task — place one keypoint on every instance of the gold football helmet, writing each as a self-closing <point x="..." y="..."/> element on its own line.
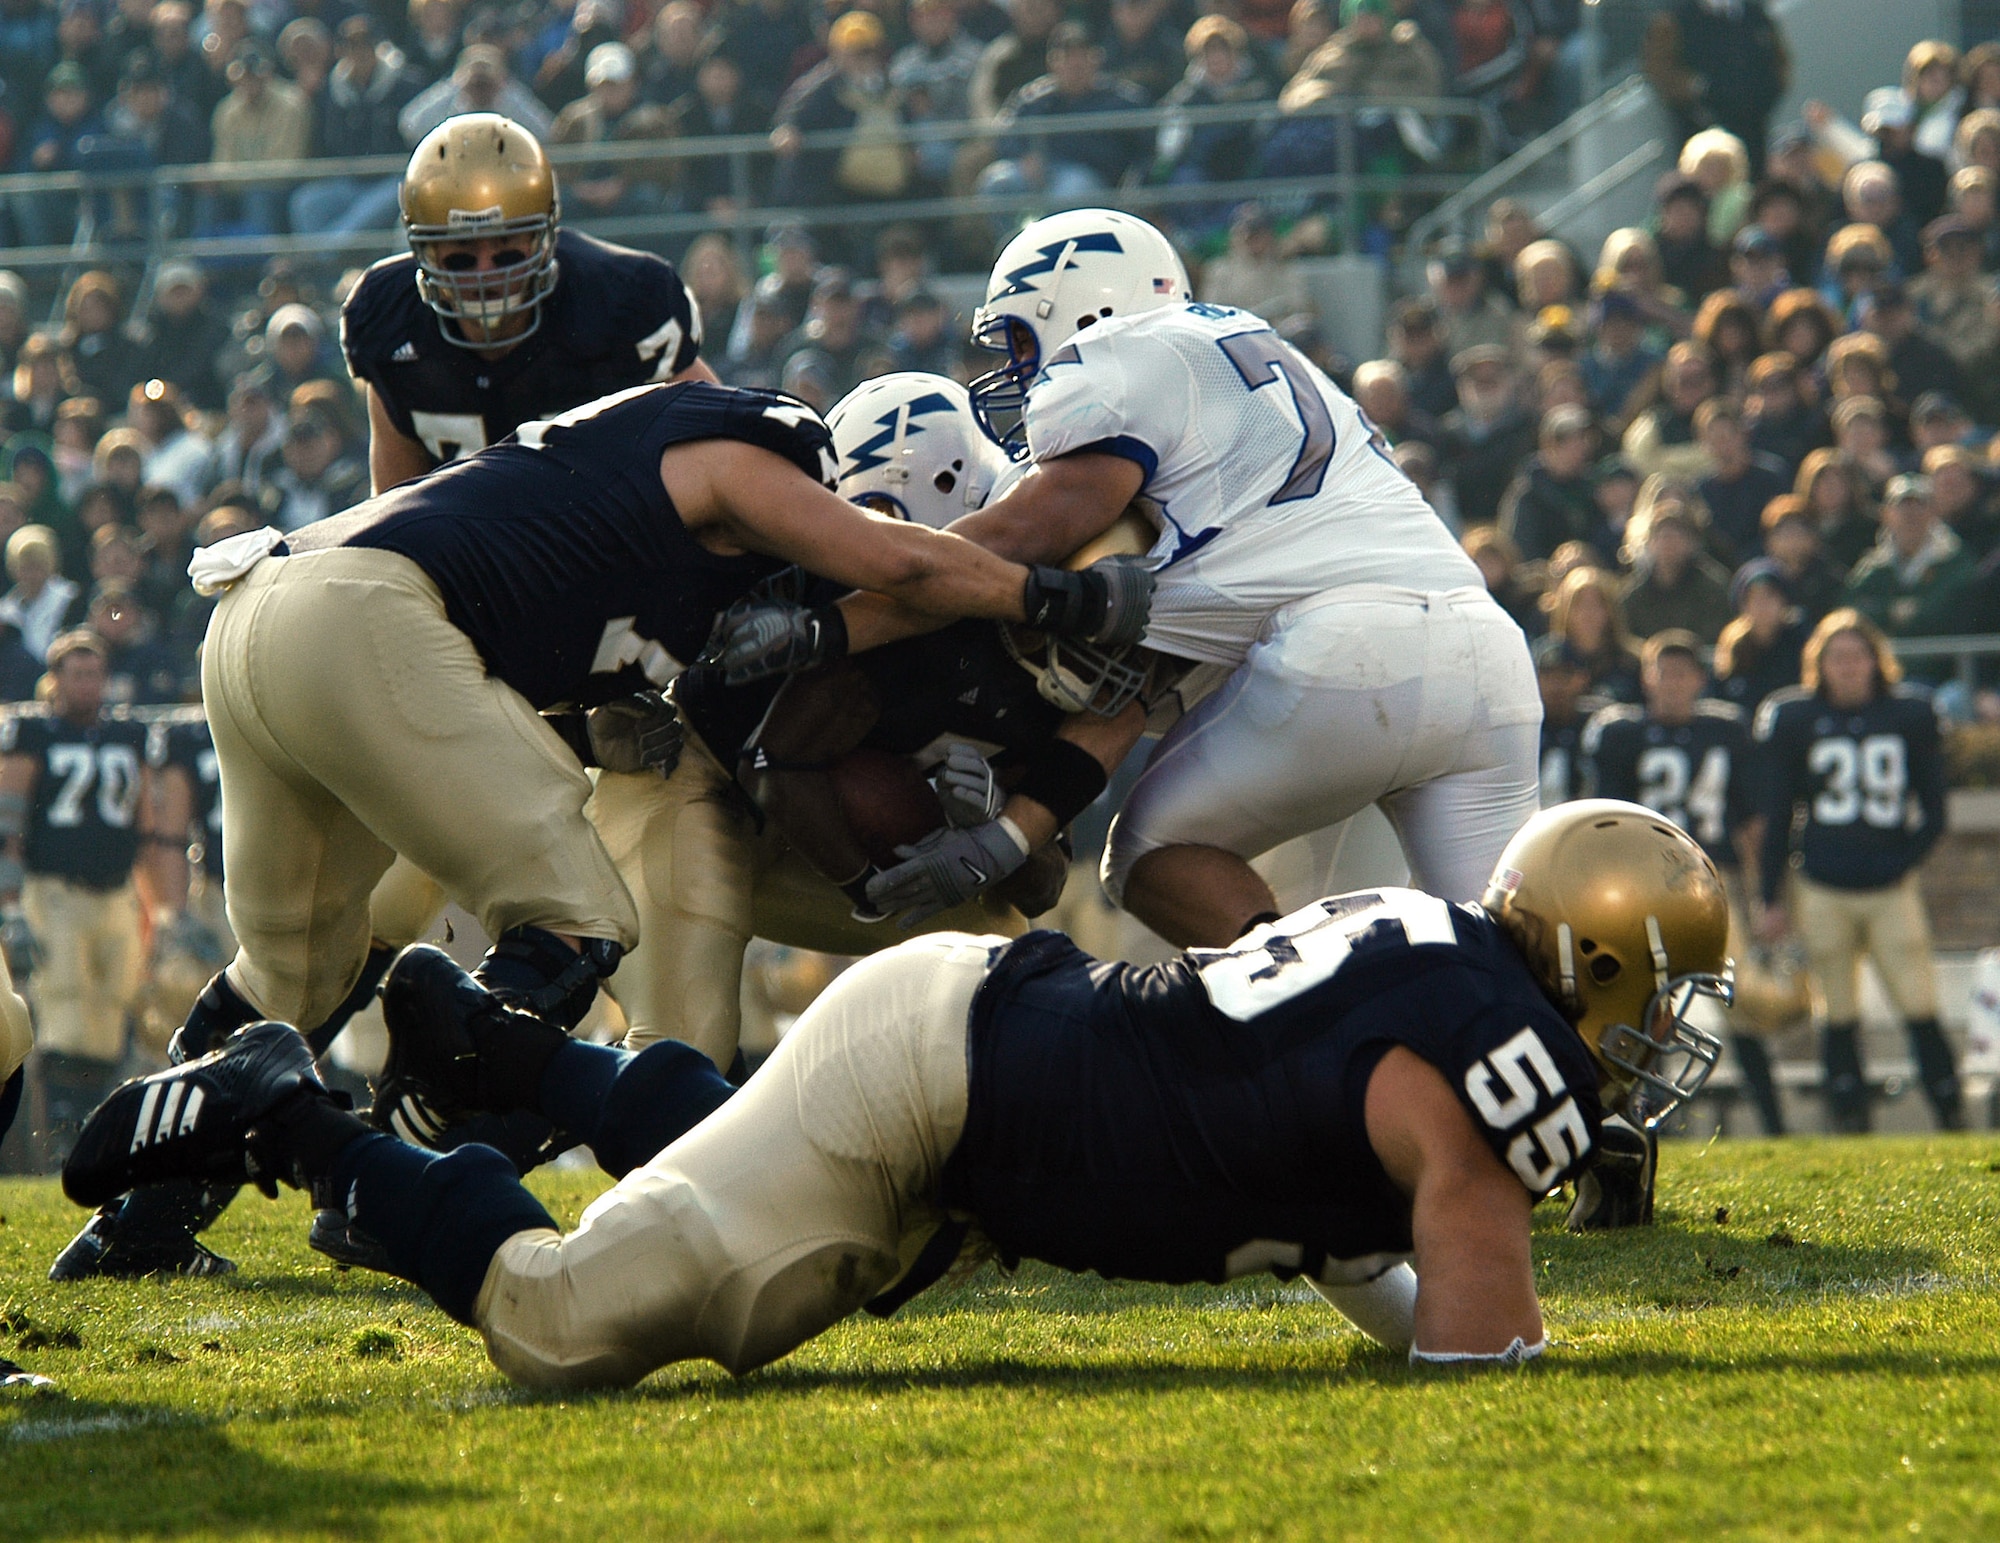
<point x="1624" y="920"/>
<point x="1079" y="677"/>
<point x="481" y="177"/>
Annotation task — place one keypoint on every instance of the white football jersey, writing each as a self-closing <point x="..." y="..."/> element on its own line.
<point x="1273" y="485"/>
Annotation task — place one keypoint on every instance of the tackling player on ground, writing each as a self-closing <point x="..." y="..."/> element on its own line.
<point x="1378" y="1080"/>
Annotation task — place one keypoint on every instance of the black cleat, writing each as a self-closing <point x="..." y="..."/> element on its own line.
<point x="336" y="1236"/>
<point x="193" y="1121"/>
<point x="99" y="1251"/>
<point x="430" y="1077"/>
<point x="1617" y="1189"/>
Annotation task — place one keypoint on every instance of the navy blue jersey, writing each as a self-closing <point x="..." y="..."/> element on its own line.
<point x="1696" y="773"/>
<point x="188" y="745"/>
<point x="1205" y="1118"/>
<point x="616" y="319"/>
<point x="83" y="818"/>
<point x="1562" y="761"/>
<point x="558" y="551"/>
<point x="1854" y="798"/>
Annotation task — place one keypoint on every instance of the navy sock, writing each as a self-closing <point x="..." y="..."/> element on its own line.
<point x="628" y="1108"/>
<point x="10" y="1098"/>
<point x="373" y="968"/>
<point x="441" y="1218"/>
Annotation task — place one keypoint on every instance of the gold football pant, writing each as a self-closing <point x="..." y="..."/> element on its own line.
<point x="1841" y="927"/>
<point x="89" y="971"/>
<point x="352" y="722"/>
<point x="17" y="1031"/>
<point x="776" y="1217"/>
<point x="705" y="882"/>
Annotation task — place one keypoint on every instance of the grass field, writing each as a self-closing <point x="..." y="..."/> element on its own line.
<point x="1808" y="1345"/>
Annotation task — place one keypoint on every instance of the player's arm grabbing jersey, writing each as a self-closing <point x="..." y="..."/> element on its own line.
<point x="1854" y="797"/>
<point x="1272" y="485"/>
<point x="1695" y="773"/>
<point x="616" y="319"/>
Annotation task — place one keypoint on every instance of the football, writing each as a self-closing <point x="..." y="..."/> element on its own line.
<point x="886" y="801"/>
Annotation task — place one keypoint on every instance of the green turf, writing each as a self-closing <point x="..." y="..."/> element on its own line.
<point x="1804" y="1347"/>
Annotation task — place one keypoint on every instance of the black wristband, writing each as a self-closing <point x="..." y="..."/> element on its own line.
<point x="1064" y="779"/>
<point x="829" y="634"/>
<point x="1070" y="604"/>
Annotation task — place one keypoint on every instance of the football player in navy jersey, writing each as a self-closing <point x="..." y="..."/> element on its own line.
<point x="1370" y="1093"/>
<point x="1564" y="681"/>
<point x="73" y="788"/>
<point x="1853" y="801"/>
<point x="497" y="316"/>
<point x="1688" y="759"/>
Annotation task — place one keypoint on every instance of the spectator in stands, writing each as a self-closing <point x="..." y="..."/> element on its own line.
<point x="1835" y="494"/>
<point x="188" y="79"/>
<point x="41" y="603"/>
<point x="920" y="336"/>
<point x="1858" y="258"/>
<point x="316" y="475"/>
<point x="1887" y="138"/>
<point x="1674" y="583"/>
<point x="1620" y="365"/>
<point x="73" y="441"/>
<point x="182" y="336"/>
<point x="94" y="337"/>
<point x="1382" y="390"/>
<point x="1308" y="27"/>
<point x="681" y="40"/>
<point x="1743" y="480"/>
<point x="166" y="528"/>
<point x="1583" y="613"/>
<point x="764" y="37"/>
<point x="1731" y="331"/>
<point x="1689" y="260"/>
<point x="717" y="106"/>
<point x="610" y="109"/>
<point x="31" y="471"/>
<point x="1804" y="325"/>
<point x="1417" y="343"/>
<point x="480" y="82"/>
<point x="1719" y="165"/>
<point x="1758" y="652"/>
<point x="145" y="127"/>
<point x="1918" y="363"/>
<point x="1470" y="316"/>
<point x="1253" y="275"/>
<point x="1791" y="540"/>
<point x="262" y="119"/>
<point x="552" y="67"/>
<point x="1372" y="55"/>
<point x="1862" y="431"/>
<point x="831" y="337"/>
<point x="1952" y="299"/>
<point x="1781" y="421"/>
<point x="849" y="91"/>
<point x="1917" y="580"/>
<point x="1222" y="71"/>
<point x="1772" y="248"/>
<point x="67" y="119"/>
<point x="757" y="345"/>
<point x="177" y="454"/>
<point x="305" y="50"/>
<point x="141" y="671"/>
<point x="1144" y="46"/>
<point x="44" y="376"/>
<point x="1488" y="435"/>
<point x="933" y="71"/>
<point x="1074" y="167"/>
<point x="252" y="436"/>
<point x="1661" y="440"/>
<point x="1721" y="63"/>
<point x="1871" y="194"/>
<point x="295" y="343"/>
<point x="1973" y="201"/>
<point x="714" y="278"/>
<point x="1629" y="262"/>
<point x="1499" y="562"/>
<point x="1937" y="419"/>
<point x="1963" y="498"/>
<point x="365" y="94"/>
<point x="1015" y="57"/>
<point x="435" y="36"/>
<point x="27" y="47"/>
<point x="1553" y="500"/>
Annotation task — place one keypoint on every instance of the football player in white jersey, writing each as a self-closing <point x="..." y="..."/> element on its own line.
<point x="1366" y="662"/>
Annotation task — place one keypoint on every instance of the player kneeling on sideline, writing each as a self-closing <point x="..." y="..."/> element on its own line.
<point x="1375" y="1081"/>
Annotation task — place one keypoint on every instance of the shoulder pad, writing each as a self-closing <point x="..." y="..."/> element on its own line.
<point x="1711" y="707"/>
<point x="381" y="303"/>
<point x="783" y="424"/>
<point x="1774" y="705"/>
<point x="1606" y="720"/>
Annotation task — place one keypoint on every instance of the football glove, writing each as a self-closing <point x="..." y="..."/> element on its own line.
<point x="637" y="733"/>
<point x="1617" y="1189"/>
<point x="759" y="636"/>
<point x="966" y="787"/>
<point x="947" y="868"/>
<point x="1107" y="603"/>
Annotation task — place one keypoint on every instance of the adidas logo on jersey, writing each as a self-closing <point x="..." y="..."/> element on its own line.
<point x="157" y="1116"/>
<point x="405" y="354"/>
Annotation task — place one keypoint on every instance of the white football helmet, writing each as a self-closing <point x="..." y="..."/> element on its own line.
<point x="1055" y="278"/>
<point x="908" y="445"/>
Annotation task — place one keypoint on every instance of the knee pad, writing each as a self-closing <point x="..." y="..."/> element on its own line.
<point x="217" y="1013"/>
<point x="533" y="968"/>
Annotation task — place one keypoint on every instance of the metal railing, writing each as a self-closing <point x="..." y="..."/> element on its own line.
<point x="1964" y="650"/>
<point x="749" y="157"/>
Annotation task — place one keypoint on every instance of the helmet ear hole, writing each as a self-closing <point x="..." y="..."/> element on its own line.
<point x="1604" y="969"/>
<point x="944" y="481"/>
